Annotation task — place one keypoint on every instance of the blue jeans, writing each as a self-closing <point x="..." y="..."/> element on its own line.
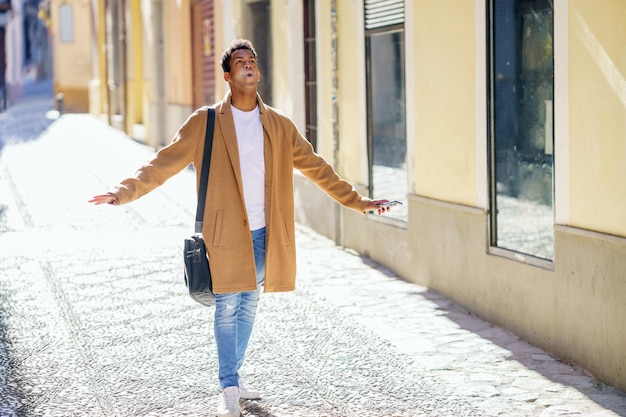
<point x="234" y="319"/>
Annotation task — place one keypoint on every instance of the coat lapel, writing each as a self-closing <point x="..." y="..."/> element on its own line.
<point x="227" y="130"/>
<point x="228" y="136"/>
<point x="268" y="158"/>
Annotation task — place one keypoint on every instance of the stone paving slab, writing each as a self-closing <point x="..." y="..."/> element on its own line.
<point x="95" y="321"/>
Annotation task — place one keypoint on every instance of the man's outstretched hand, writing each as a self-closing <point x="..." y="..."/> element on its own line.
<point x="108" y="198"/>
<point x="378" y="206"/>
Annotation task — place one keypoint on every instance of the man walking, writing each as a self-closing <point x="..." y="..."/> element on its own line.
<point x="249" y="220"/>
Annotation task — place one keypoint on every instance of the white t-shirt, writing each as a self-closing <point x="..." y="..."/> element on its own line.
<point x="250" y="142"/>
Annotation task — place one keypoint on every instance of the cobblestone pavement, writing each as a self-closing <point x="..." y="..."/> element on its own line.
<point x="95" y="321"/>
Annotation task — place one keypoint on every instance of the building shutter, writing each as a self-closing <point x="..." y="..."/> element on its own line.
<point x="381" y="13"/>
<point x="203" y="52"/>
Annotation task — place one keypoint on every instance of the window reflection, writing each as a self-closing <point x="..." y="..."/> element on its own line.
<point x="387" y="118"/>
<point x="522" y="91"/>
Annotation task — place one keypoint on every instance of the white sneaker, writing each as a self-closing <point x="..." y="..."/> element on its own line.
<point x="229" y="403"/>
<point x="246" y="392"/>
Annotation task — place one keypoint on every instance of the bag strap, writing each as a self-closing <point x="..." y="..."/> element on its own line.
<point x="206" y="163"/>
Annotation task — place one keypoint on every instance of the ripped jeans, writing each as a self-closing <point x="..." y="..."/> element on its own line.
<point x="234" y="319"/>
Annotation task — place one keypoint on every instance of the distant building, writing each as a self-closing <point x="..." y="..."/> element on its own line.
<point x="24" y="46"/>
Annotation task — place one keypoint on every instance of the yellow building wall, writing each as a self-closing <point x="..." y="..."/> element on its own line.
<point x="324" y="82"/>
<point x="288" y="69"/>
<point x="178" y="51"/>
<point x="134" y="81"/>
<point x="102" y="63"/>
<point x="220" y="40"/>
<point x="597" y="114"/>
<point x="97" y="83"/>
<point x="351" y="92"/>
<point x="72" y="59"/>
<point x="281" y="91"/>
<point x="444" y="97"/>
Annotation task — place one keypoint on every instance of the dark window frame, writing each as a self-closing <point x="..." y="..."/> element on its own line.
<point x="519" y="147"/>
<point x="310" y="72"/>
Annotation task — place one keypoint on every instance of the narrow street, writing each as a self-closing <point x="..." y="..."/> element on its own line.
<point x="95" y="320"/>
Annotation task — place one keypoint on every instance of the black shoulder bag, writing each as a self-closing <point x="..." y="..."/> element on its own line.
<point x="197" y="270"/>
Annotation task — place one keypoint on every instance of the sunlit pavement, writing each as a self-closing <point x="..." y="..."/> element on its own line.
<point x="95" y="321"/>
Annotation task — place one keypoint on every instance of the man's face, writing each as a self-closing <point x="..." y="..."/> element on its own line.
<point x="244" y="73"/>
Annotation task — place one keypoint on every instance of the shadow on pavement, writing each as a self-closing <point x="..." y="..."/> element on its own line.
<point x="255" y="409"/>
<point x="530" y="357"/>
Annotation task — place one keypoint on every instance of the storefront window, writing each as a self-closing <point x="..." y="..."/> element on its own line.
<point x="521" y="126"/>
<point x="387" y="118"/>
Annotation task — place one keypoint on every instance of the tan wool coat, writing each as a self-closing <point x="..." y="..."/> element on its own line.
<point x="225" y="229"/>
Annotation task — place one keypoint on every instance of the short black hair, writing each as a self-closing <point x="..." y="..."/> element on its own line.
<point x="235" y="46"/>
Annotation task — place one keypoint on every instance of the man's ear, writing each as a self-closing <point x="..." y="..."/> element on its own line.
<point x="258" y="76"/>
<point x="227" y="77"/>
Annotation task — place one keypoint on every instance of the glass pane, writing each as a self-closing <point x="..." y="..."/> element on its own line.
<point x="387" y="119"/>
<point x="523" y="94"/>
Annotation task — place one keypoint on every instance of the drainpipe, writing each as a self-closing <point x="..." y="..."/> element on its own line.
<point x="334" y="88"/>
